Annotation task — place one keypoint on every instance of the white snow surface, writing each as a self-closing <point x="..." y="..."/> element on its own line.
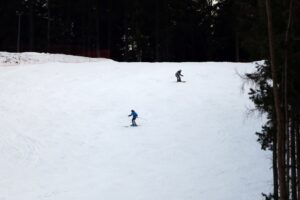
<point x="64" y="135"/>
<point x="8" y="59"/>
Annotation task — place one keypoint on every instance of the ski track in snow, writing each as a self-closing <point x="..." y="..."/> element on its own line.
<point x="63" y="134"/>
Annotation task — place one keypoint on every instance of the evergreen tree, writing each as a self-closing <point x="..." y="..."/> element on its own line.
<point x="281" y="133"/>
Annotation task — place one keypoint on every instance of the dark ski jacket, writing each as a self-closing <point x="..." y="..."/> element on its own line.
<point x="133" y="114"/>
<point x="178" y="73"/>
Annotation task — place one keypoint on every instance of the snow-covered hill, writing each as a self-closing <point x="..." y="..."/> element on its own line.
<point x="9" y="59"/>
<point x="64" y="135"/>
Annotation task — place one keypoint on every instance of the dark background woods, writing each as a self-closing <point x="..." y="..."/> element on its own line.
<point x="134" y="30"/>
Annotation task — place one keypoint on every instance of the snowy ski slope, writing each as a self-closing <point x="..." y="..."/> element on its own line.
<point x="63" y="134"/>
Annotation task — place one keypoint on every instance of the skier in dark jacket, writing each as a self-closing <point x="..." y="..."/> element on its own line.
<point x="134" y="116"/>
<point x="178" y="75"/>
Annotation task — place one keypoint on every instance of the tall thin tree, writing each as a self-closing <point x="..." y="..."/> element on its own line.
<point x="279" y="115"/>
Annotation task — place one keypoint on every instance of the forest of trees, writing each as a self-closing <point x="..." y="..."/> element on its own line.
<point x="132" y="30"/>
<point x="277" y="93"/>
<point x="184" y="30"/>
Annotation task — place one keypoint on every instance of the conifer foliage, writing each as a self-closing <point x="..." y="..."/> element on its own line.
<point x="277" y="94"/>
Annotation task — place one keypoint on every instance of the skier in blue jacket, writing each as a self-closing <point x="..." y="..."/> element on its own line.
<point x="134" y="116"/>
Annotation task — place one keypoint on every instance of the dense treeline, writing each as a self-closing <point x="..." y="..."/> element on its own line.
<point x="277" y="93"/>
<point x="130" y="30"/>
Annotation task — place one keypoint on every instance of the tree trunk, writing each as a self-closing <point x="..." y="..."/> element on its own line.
<point x="290" y="139"/>
<point x="19" y="30"/>
<point x="298" y="153"/>
<point x="287" y="155"/>
<point x="279" y="116"/>
<point x="261" y="15"/>
<point x="97" y="16"/>
<point x="31" y="28"/>
<point x="237" y="47"/>
<point x="275" y="173"/>
<point x="48" y="26"/>
<point x="293" y="162"/>
<point x="157" y="43"/>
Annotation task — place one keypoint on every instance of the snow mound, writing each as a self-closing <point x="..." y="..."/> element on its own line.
<point x="8" y="59"/>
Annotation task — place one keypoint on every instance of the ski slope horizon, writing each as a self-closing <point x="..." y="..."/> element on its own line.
<point x="64" y="134"/>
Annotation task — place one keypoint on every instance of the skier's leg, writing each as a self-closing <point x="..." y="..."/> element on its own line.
<point x="133" y="122"/>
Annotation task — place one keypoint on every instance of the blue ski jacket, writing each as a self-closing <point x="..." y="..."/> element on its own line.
<point x="133" y="114"/>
